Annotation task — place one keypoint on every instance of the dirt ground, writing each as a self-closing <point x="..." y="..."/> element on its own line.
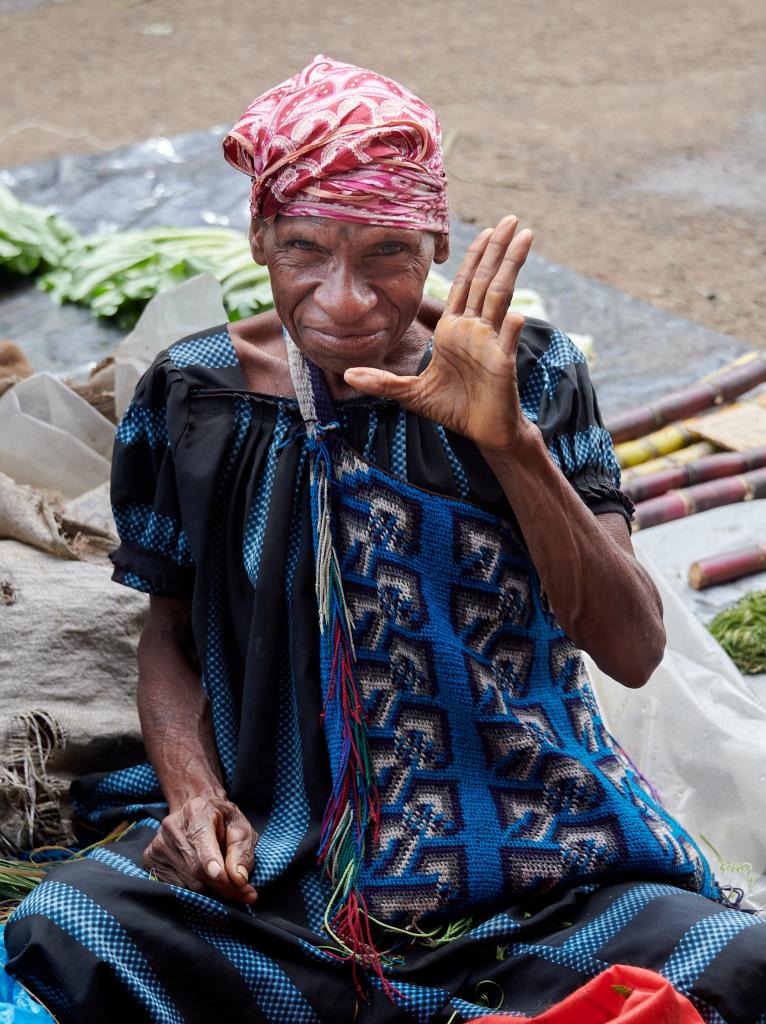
<point x="630" y="136"/>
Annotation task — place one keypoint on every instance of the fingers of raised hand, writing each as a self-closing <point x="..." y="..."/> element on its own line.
<point x="461" y="283"/>
<point x="491" y="261"/>
<point x="499" y="293"/>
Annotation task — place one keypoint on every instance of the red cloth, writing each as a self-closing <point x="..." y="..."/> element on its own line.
<point x="338" y="141"/>
<point x="651" y="1000"/>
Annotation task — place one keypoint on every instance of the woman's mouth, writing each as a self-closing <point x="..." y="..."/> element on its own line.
<point x="347" y="340"/>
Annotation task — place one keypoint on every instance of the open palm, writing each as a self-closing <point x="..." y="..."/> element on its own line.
<point x="470" y="384"/>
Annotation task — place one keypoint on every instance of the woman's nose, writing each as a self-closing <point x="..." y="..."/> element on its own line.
<point x="344" y="296"/>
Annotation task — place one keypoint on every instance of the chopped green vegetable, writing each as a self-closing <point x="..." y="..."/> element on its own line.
<point x="741" y="631"/>
<point x="31" y="238"/>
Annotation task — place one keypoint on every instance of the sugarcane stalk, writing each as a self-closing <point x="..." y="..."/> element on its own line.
<point x="679" y="458"/>
<point x="661" y="442"/>
<point x="710" y="467"/>
<point x="699" y="498"/>
<point x="727" y="383"/>
<point x="731" y="565"/>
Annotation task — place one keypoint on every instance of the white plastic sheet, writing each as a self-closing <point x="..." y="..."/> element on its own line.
<point x="52" y="438"/>
<point x="190" y="307"/>
<point x="697" y="730"/>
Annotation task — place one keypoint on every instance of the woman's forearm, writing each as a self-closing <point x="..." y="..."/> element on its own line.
<point x="602" y="598"/>
<point x="175" y="715"/>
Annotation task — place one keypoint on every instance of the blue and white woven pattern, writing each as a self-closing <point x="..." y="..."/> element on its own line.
<point x="495" y="772"/>
<point x="163" y="535"/>
<point x="561" y="353"/>
<point x="213" y="351"/>
<point x="141" y="424"/>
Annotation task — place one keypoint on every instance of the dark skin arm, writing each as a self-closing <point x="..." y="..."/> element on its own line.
<point x="205" y="841"/>
<point x="602" y="598"/>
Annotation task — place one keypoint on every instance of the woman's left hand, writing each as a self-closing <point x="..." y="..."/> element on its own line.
<point x="470" y="384"/>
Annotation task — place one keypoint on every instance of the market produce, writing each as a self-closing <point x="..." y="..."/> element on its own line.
<point x="741" y="631"/>
<point x="731" y="565"/>
<point x="722" y="386"/>
<point x="677" y="458"/>
<point x="31" y="237"/>
<point x="710" y="467"/>
<point x="699" y="498"/>
<point x="116" y="274"/>
<point x="661" y="442"/>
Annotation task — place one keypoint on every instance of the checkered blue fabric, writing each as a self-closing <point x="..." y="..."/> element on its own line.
<point x="133" y="782"/>
<point x="255" y="527"/>
<point x="372" y="427"/>
<point x="132" y="579"/>
<point x="458" y="473"/>
<point x="591" y="447"/>
<point x="214" y="351"/>
<point x="215" y="676"/>
<point x="596" y="934"/>
<point x="545" y="376"/>
<point x="141" y="424"/>
<point x="96" y="930"/>
<point x="316" y="892"/>
<point x="496" y="927"/>
<point x="163" y="535"/>
<point x="277" y="997"/>
<point x="399" y="446"/>
<point x="472" y="1011"/>
<point x="418" y="1002"/>
<point x="289" y="818"/>
<point x="701" y="945"/>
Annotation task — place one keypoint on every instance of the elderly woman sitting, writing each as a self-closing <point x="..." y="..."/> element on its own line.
<point x="376" y="540"/>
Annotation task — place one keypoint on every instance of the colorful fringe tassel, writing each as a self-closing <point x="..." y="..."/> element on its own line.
<point x="352" y="815"/>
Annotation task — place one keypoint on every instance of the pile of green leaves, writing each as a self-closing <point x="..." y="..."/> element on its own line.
<point x="31" y="238"/>
<point x="116" y="274"/>
<point x="741" y="631"/>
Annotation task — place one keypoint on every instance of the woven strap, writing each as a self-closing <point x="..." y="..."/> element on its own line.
<point x="311" y="389"/>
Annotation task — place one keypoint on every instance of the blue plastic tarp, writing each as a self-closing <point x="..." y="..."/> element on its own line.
<point x="16" y="1005"/>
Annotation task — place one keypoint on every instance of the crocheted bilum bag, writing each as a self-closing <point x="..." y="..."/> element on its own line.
<point x="470" y="765"/>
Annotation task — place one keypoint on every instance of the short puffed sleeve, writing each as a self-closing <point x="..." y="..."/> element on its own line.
<point x="154" y="555"/>
<point x="557" y="394"/>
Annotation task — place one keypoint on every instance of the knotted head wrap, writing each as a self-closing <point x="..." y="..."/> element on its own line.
<point x="338" y="141"/>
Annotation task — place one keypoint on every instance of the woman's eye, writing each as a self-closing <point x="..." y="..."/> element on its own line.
<point x="301" y="243"/>
<point x="390" y="249"/>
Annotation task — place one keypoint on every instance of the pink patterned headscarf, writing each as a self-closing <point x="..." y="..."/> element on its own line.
<point x="338" y="141"/>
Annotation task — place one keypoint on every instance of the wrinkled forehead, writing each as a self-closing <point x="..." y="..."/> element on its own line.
<point x="332" y="230"/>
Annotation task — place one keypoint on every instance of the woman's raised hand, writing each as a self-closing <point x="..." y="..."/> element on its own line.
<point x="470" y="384"/>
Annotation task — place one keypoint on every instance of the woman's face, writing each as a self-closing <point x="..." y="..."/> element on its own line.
<point x="347" y="293"/>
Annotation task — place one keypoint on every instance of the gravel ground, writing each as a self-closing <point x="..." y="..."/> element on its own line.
<point x="631" y="137"/>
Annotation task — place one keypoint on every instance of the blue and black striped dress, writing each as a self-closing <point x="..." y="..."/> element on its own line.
<point x="211" y="499"/>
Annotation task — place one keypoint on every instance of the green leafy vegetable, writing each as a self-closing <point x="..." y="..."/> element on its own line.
<point x="117" y="274"/>
<point x="31" y="238"/>
<point x="741" y="631"/>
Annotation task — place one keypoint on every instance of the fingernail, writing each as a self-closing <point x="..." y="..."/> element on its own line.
<point x="242" y="871"/>
<point x="251" y="897"/>
<point x="214" y="869"/>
